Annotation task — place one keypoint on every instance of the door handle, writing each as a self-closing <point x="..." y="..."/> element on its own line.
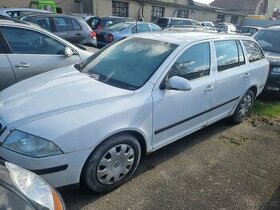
<point x="78" y="34"/>
<point x="22" y="65"/>
<point x="209" y="88"/>
<point x="246" y="75"/>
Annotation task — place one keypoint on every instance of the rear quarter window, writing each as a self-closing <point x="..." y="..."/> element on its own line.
<point x="254" y="52"/>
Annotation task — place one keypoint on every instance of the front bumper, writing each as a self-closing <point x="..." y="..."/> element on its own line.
<point x="58" y="171"/>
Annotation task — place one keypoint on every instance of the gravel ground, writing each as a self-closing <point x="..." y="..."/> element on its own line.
<point x="220" y="167"/>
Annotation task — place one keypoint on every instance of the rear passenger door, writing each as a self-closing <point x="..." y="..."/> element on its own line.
<point x="257" y="63"/>
<point x="33" y="52"/>
<point x="69" y="29"/>
<point x="232" y="77"/>
<point x="7" y="76"/>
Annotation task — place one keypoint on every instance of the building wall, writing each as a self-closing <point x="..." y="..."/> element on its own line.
<point x="104" y="7"/>
<point x="68" y="6"/>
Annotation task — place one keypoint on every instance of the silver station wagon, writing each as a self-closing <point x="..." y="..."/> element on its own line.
<point x="92" y="121"/>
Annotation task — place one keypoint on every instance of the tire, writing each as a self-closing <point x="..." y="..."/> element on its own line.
<point x="112" y="163"/>
<point x="243" y="107"/>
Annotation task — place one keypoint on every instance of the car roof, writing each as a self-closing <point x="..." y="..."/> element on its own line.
<point x="183" y="37"/>
<point x="24" y="9"/>
<point x="272" y="27"/>
<point x="15" y="22"/>
<point x="176" y="18"/>
<point x="50" y="15"/>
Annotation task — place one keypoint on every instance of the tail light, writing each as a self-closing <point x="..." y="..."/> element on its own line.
<point x="93" y="34"/>
<point x="109" y="38"/>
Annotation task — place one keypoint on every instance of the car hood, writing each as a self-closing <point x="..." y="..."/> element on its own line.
<point x="273" y="58"/>
<point x="54" y="92"/>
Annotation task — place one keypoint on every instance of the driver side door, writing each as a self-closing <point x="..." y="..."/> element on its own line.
<point x="32" y="52"/>
<point x="178" y="113"/>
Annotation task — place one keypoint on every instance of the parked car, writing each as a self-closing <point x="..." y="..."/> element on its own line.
<point x="17" y="12"/>
<point x="101" y="22"/>
<point x="22" y="189"/>
<point x="226" y="27"/>
<point x="248" y="30"/>
<point x="166" y="22"/>
<point x="27" y="50"/>
<point x="92" y="121"/>
<point x="72" y="28"/>
<point x="120" y="30"/>
<point x="269" y="39"/>
<point x="207" y="24"/>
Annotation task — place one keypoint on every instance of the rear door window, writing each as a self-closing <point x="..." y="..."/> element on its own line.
<point x="155" y="27"/>
<point x="43" y="22"/>
<point x="63" y="24"/>
<point x="254" y="52"/>
<point x="143" y="27"/>
<point x="227" y="54"/>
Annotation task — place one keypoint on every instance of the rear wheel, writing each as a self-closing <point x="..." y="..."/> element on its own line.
<point x="243" y="107"/>
<point x="112" y="163"/>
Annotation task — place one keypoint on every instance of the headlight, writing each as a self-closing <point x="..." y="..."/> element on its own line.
<point x="34" y="187"/>
<point x="28" y="144"/>
<point x="275" y="70"/>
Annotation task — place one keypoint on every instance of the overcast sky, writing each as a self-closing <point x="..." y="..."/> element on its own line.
<point x="204" y="1"/>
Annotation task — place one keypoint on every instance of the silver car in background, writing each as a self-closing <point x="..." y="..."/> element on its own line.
<point x="27" y="50"/>
<point x="17" y="12"/>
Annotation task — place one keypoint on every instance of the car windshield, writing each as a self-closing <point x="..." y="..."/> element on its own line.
<point x="269" y="40"/>
<point x="128" y="63"/>
<point x="119" y="26"/>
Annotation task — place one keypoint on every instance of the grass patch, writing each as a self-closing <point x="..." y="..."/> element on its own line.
<point x="266" y="109"/>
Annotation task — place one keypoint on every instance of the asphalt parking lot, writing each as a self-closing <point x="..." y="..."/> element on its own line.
<point x="220" y="167"/>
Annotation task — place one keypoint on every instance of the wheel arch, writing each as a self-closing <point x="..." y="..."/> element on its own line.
<point x="254" y="88"/>
<point x="137" y="134"/>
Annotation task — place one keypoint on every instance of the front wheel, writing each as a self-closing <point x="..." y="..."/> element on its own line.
<point x="112" y="163"/>
<point x="243" y="107"/>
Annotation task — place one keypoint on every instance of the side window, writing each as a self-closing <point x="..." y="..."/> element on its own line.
<point x="254" y="52"/>
<point x="227" y="54"/>
<point x="193" y="63"/>
<point x="63" y="24"/>
<point x="155" y="27"/>
<point x="133" y="30"/>
<point x="143" y="27"/>
<point x="43" y="22"/>
<point x="240" y="54"/>
<point x="23" y="41"/>
<point x="76" y="26"/>
<point x="13" y="14"/>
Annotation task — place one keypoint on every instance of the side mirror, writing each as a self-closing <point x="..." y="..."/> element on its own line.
<point x="68" y="52"/>
<point x="178" y="83"/>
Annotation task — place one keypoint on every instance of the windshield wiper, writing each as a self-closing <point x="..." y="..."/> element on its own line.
<point x="78" y="67"/>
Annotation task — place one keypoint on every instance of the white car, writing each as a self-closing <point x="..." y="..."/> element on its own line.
<point x="92" y="122"/>
<point x="17" y="12"/>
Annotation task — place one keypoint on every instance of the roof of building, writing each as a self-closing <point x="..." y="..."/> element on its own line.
<point x="180" y="38"/>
